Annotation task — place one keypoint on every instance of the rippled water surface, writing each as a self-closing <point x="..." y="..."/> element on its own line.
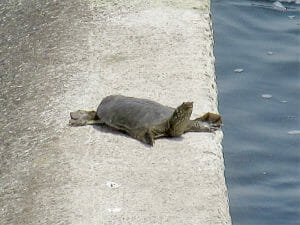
<point x="261" y="108"/>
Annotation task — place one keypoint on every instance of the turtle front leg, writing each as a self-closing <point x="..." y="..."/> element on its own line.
<point x="207" y="123"/>
<point x="82" y="118"/>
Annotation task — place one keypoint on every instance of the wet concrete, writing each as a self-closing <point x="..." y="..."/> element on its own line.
<point x="59" y="56"/>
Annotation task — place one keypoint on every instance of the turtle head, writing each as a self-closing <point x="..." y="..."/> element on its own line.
<point x="184" y="110"/>
<point x="180" y="119"/>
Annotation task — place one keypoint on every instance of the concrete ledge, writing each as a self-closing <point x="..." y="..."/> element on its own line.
<point x="161" y="50"/>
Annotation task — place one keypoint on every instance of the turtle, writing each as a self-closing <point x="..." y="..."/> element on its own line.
<point x="146" y="120"/>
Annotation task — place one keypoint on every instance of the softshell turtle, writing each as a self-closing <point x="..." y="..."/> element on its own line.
<point x="144" y="119"/>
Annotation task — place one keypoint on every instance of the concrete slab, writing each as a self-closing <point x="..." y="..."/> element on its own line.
<point x="72" y="55"/>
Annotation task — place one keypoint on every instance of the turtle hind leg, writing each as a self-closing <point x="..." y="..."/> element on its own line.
<point x="207" y="123"/>
<point x="149" y="139"/>
<point x="144" y="135"/>
<point x="82" y="117"/>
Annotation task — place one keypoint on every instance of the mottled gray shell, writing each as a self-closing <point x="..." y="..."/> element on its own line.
<point x="128" y="113"/>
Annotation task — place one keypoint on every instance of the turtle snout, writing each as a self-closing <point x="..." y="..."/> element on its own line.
<point x="188" y="104"/>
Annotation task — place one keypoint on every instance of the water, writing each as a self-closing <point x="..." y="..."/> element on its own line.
<point x="260" y="107"/>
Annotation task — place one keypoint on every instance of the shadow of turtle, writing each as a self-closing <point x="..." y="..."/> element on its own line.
<point x="110" y="130"/>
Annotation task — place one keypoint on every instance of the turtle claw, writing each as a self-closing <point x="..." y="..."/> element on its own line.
<point x="149" y="138"/>
<point x="214" y="127"/>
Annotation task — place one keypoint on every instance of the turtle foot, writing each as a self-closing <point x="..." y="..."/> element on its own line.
<point x="149" y="138"/>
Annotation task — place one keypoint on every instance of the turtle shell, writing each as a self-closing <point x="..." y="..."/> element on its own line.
<point x="128" y="113"/>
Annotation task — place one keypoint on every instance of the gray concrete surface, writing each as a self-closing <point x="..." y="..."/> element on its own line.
<point x="60" y="56"/>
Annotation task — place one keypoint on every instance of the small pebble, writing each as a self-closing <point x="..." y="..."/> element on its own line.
<point x="270" y="53"/>
<point x="266" y="96"/>
<point x="284" y="101"/>
<point x="294" y="132"/>
<point x="238" y="70"/>
<point x="112" y="184"/>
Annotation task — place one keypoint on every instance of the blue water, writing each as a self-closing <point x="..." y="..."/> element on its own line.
<point x="262" y="159"/>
